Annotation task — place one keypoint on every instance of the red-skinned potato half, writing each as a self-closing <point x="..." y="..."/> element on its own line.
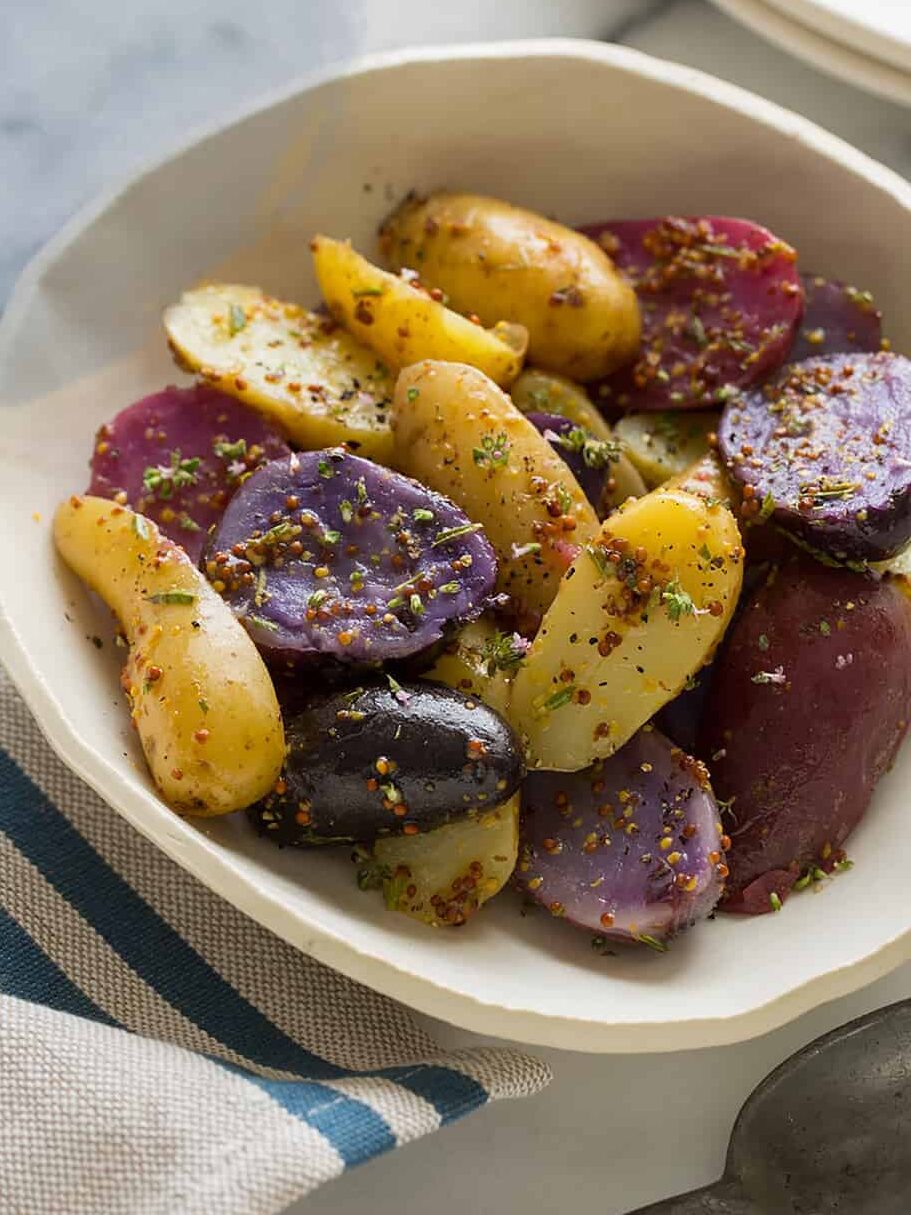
<point x="809" y="703"/>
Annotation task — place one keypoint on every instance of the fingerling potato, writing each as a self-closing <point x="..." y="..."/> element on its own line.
<point x="443" y="877"/>
<point x="402" y="323"/>
<point x="481" y="660"/>
<point x="299" y="369"/>
<point x="200" y="695"/>
<point x="641" y="609"/>
<point x="503" y="262"/>
<point x="456" y="432"/>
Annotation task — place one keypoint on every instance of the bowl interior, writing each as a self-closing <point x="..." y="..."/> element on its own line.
<point x="577" y="131"/>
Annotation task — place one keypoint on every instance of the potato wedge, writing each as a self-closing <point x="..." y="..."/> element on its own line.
<point x="300" y="369"/>
<point x="400" y="321"/>
<point x="442" y="877"/>
<point x="482" y="661"/>
<point x="200" y="696"/>
<point x="639" y="611"/>
<point x="502" y="262"/>
<point x="459" y="434"/>
<point x="663" y="445"/>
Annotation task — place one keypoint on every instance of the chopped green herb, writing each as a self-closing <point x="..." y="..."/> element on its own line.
<point x="263" y="623"/>
<point x="493" y="452"/>
<point x="230" y="451"/>
<point x="362" y="291"/>
<point x="172" y="597"/>
<point x="504" y="652"/>
<point x="763" y="642"/>
<point x="775" y="901"/>
<point x="705" y="553"/>
<point x="767" y="509"/>
<point x="564" y="498"/>
<point x="203" y="704"/>
<point x="356" y="578"/>
<point x="416" y="605"/>
<point x="677" y="601"/>
<point x="595" y="453"/>
<point x="395" y="887"/>
<point x="825" y="628"/>
<point x="186" y="524"/>
<point x="651" y="942"/>
<point x="421" y="514"/>
<point x="450" y="588"/>
<point x="317" y="598"/>
<point x="331" y="536"/>
<point x="559" y="698"/>
<point x="395" y="602"/>
<point x="525" y="550"/>
<point x="600" y="559"/>
<point x="361" y="489"/>
<point x="346" y="510"/>
<point x="372" y="877"/>
<point x="844" y="865"/>
<point x="281" y="531"/>
<point x="454" y="533"/>
<point x="413" y="393"/>
<point x="690" y="683"/>
<point x="325" y="469"/>
<point x="237" y="319"/>
<point x="697" y="331"/>
<point x="162" y="481"/>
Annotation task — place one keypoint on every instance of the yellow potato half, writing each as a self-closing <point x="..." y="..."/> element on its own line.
<point x="402" y="323"/>
<point x="199" y="693"/>
<point x="458" y="433"/>
<point x="638" y="613"/>
<point x="502" y="262"/>
<point x="301" y="370"/>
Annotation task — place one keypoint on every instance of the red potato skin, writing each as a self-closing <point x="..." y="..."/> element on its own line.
<point x="801" y="757"/>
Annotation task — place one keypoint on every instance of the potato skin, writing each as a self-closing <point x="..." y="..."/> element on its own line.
<point x="505" y="263"/>
<point x="200" y="695"/>
<point x="533" y="510"/>
<point x="801" y="747"/>
<point x="402" y="323"/>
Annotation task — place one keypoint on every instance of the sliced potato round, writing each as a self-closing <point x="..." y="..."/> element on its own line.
<point x="661" y="445"/>
<point x="401" y="321"/>
<point x="639" y="611"/>
<point x="459" y="434"/>
<point x="442" y="877"/>
<point x="481" y="660"/>
<point x="302" y="370"/>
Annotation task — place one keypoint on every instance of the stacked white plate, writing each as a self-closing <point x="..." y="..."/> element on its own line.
<point x="865" y="42"/>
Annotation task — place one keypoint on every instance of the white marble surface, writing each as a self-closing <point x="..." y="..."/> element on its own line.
<point x="89" y="88"/>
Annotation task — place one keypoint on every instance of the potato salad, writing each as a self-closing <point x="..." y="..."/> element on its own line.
<point x="565" y="561"/>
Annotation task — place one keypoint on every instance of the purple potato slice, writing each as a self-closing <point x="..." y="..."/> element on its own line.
<point x="809" y="702"/>
<point x="720" y="299"/>
<point x="328" y="555"/>
<point x="836" y="318"/>
<point x="826" y="446"/>
<point x="388" y="759"/>
<point x="630" y="848"/>
<point x="178" y="455"/>
<point x="589" y="459"/>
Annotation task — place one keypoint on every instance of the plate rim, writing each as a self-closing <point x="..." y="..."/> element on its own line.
<point x="215" y="867"/>
<point x="800" y="41"/>
<point x="850" y="32"/>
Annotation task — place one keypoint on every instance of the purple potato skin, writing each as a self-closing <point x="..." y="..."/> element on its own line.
<point x="721" y="302"/>
<point x="359" y="571"/>
<point x="593" y="481"/>
<point x="191" y="421"/>
<point x="809" y="703"/>
<point x="836" y="318"/>
<point x="444" y="756"/>
<point x="829" y="441"/>
<point x="634" y="887"/>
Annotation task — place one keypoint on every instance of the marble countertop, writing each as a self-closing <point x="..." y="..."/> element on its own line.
<point x="88" y="89"/>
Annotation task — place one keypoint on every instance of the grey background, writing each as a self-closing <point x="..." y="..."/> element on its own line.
<point x="91" y="88"/>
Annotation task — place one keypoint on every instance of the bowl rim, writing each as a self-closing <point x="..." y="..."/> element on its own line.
<point x="219" y="870"/>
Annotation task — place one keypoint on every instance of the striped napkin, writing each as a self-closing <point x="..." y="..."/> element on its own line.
<point x="161" y="1053"/>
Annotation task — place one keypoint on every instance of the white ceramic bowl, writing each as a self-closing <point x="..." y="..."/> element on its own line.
<point x="580" y="130"/>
